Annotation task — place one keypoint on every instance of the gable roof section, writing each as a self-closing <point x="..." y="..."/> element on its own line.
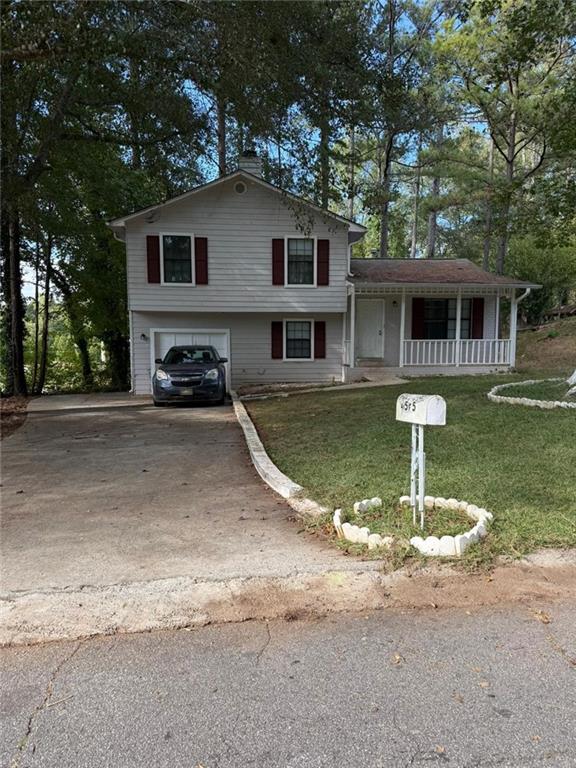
<point x="352" y="225"/>
<point x="427" y="272"/>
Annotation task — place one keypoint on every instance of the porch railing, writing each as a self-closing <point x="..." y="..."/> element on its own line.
<point x="444" y="352"/>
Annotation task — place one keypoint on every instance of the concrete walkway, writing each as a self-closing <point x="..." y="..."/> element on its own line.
<point x="132" y="508"/>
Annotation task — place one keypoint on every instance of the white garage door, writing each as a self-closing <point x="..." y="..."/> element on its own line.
<point x="220" y="340"/>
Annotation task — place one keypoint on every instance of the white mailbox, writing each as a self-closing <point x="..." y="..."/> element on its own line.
<point x="421" y="409"/>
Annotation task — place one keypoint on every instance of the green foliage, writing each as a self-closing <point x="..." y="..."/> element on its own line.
<point x="554" y="267"/>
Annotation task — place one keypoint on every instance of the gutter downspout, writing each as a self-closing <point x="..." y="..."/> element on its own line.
<point x="513" y="323"/>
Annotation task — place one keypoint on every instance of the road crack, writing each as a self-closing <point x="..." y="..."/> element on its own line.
<point x="266" y="644"/>
<point x="44" y="704"/>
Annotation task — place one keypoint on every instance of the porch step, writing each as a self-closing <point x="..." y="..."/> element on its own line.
<point x="370" y="362"/>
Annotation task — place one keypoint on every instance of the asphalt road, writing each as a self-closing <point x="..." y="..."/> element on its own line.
<point x="454" y="688"/>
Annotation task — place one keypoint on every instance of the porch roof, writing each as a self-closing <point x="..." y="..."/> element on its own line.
<point x="448" y="272"/>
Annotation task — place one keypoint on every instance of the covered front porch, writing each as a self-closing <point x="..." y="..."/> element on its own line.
<point x="429" y="329"/>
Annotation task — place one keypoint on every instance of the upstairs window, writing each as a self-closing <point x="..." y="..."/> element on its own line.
<point x="300" y="261"/>
<point x="298" y="340"/>
<point x="176" y="259"/>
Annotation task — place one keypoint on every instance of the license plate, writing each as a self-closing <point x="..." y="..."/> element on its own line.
<point x="187" y="391"/>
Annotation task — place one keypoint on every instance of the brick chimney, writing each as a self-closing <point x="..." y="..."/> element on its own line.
<point x="251" y="163"/>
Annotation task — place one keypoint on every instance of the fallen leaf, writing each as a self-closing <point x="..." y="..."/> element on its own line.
<point x="440" y="749"/>
<point x="543" y="617"/>
<point x="398" y="658"/>
<point x="484" y="684"/>
<point x="458" y="697"/>
<point x="536" y="739"/>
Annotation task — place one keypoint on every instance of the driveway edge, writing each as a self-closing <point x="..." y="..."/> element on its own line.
<point x="268" y="471"/>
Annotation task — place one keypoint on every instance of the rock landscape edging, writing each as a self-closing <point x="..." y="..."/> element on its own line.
<point x="527" y="401"/>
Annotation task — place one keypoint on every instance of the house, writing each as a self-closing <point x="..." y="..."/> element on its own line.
<point x="268" y="279"/>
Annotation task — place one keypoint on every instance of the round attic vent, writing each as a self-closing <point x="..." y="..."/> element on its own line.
<point x="240" y="187"/>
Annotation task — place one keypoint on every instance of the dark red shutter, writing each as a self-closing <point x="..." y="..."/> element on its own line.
<point x="153" y="258"/>
<point x="323" y="262"/>
<point x="201" y="260"/>
<point x="278" y="261"/>
<point x="478" y="318"/>
<point x="319" y="340"/>
<point x="418" y="318"/>
<point x="277" y="340"/>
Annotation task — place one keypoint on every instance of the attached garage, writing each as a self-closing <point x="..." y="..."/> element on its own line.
<point x="162" y="339"/>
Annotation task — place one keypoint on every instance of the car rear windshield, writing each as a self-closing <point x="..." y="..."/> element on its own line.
<point x="183" y="355"/>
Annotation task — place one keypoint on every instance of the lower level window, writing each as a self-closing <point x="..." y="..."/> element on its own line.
<point x="299" y="339"/>
<point x="440" y="319"/>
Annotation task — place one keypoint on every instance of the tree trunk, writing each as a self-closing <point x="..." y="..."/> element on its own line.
<point x="488" y="212"/>
<point x="414" y="240"/>
<point x="45" y="320"/>
<point x="384" y="179"/>
<point x="352" y="169"/>
<point x="433" y="222"/>
<point x="6" y="326"/>
<point x="221" y="110"/>
<point x="118" y="361"/>
<point x="505" y="224"/>
<point x="36" y="314"/>
<point x="16" y="305"/>
<point x="324" y="158"/>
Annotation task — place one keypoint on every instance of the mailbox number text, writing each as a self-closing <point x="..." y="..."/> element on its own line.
<point x="408" y="405"/>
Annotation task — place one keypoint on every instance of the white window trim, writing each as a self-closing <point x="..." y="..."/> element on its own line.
<point x="314" y="257"/>
<point x="312" y="350"/>
<point x="190" y="235"/>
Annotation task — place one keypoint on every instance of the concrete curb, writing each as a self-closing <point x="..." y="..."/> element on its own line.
<point x="34" y="617"/>
<point x="265" y="467"/>
<point x="268" y="471"/>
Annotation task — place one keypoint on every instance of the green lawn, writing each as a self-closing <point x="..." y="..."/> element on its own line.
<point x="541" y="390"/>
<point x="519" y="463"/>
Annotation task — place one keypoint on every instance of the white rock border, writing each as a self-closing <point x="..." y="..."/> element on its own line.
<point x="451" y="546"/>
<point x="445" y="546"/>
<point x="527" y="401"/>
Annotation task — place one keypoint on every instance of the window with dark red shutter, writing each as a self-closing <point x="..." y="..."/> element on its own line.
<point x="277" y="340"/>
<point x="418" y="330"/>
<point x="323" y="262"/>
<point x="478" y="318"/>
<point x="319" y="340"/>
<point x="201" y="260"/>
<point x="153" y="258"/>
<point x="278" y="261"/>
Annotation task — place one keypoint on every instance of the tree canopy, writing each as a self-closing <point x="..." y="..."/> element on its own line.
<point x="445" y="127"/>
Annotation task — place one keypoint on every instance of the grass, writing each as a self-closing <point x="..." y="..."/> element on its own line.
<point x="541" y="390"/>
<point x="519" y="463"/>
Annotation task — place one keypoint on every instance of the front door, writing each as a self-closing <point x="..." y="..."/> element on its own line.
<point x="370" y="328"/>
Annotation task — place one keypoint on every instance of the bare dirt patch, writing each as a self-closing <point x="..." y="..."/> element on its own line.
<point x="13" y="412"/>
<point x="550" y="347"/>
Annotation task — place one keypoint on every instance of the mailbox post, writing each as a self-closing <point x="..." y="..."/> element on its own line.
<point x="420" y="411"/>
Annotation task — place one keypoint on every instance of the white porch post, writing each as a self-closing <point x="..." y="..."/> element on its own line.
<point x="497" y="316"/>
<point x="513" y="324"/>
<point x="353" y="327"/>
<point x="402" y="327"/>
<point x="458" y="325"/>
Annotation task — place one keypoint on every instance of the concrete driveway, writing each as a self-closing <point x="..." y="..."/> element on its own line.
<point x="108" y="491"/>
<point x="119" y="491"/>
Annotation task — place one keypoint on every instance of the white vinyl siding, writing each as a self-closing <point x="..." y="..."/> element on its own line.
<point x="240" y="230"/>
<point x="250" y="346"/>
